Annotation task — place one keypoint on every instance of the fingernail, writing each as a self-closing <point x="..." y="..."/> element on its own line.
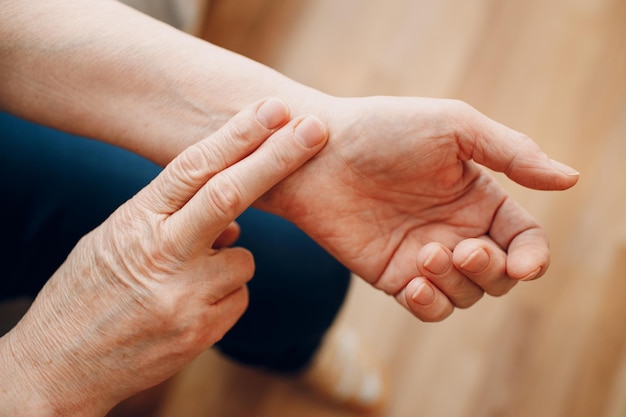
<point x="565" y="169"/>
<point x="423" y="294"/>
<point x="532" y="275"/>
<point x="272" y="113"/>
<point x="437" y="261"/>
<point x="310" y="132"/>
<point x="476" y="262"/>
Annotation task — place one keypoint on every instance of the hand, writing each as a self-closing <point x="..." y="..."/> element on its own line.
<point x="398" y="196"/>
<point x="148" y="290"/>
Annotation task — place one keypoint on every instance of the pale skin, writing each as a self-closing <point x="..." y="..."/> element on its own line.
<point x="148" y="290"/>
<point x="398" y="193"/>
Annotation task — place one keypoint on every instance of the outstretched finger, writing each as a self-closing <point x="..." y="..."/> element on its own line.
<point x="190" y="170"/>
<point x="425" y="300"/>
<point x="505" y="150"/>
<point x="227" y="194"/>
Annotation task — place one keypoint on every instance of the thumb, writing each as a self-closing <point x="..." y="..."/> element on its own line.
<point x="503" y="149"/>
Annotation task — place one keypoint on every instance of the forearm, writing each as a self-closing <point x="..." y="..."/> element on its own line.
<point x="51" y="362"/>
<point x="16" y="395"/>
<point x="26" y="381"/>
<point x="100" y="69"/>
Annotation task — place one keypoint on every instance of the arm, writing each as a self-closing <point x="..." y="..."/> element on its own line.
<point x="100" y="69"/>
<point x="397" y="196"/>
<point x="148" y="290"/>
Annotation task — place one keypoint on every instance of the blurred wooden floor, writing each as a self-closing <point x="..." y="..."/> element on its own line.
<point x="555" y="70"/>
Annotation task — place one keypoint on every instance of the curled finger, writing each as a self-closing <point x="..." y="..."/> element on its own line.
<point x="525" y="241"/>
<point x="188" y="172"/>
<point x="425" y="300"/>
<point x="435" y="263"/>
<point x="483" y="262"/>
<point x="228" y="193"/>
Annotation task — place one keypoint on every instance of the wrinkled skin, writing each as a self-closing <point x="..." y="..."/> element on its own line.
<point x="143" y="294"/>
<point x="399" y="196"/>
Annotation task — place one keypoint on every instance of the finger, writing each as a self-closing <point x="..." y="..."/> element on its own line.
<point x="224" y="314"/>
<point x="236" y="188"/>
<point x="526" y="244"/>
<point x="528" y="255"/>
<point x="425" y="300"/>
<point x="228" y="237"/>
<point x="435" y="263"/>
<point x="484" y="262"/>
<point x="504" y="150"/>
<point x="226" y="270"/>
<point x="190" y="170"/>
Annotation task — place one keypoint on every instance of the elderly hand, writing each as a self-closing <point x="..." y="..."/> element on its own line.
<point x="148" y="290"/>
<point x="398" y="196"/>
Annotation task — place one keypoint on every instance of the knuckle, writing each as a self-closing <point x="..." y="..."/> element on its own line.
<point x="195" y="164"/>
<point x="241" y="263"/>
<point x="282" y="158"/>
<point x="242" y="129"/>
<point x="191" y="165"/>
<point x="226" y="197"/>
<point x="182" y="176"/>
<point x="193" y="159"/>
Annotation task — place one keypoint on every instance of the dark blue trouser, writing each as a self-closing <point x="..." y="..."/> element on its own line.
<point x="57" y="187"/>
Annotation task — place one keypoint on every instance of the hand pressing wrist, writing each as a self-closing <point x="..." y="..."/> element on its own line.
<point x="147" y="291"/>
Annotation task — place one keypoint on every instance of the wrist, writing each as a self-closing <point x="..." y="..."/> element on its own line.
<point x="35" y="382"/>
<point x="17" y="396"/>
<point x="22" y="392"/>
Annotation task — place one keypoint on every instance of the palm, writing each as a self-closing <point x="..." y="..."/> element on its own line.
<point x="398" y="174"/>
<point x="390" y="195"/>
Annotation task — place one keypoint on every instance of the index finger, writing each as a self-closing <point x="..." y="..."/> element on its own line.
<point x="228" y="193"/>
<point x="191" y="169"/>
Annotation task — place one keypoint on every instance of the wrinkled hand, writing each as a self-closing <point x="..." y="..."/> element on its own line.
<point x="148" y="290"/>
<point x="399" y="197"/>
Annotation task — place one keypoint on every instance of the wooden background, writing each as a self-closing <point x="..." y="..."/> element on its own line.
<point x="555" y="70"/>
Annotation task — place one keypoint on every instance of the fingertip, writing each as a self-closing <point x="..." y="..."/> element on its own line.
<point x="434" y="258"/>
<point x="569" y="175"/>
<point x="472" y="260"/>
<point x="310" y="132"/>
<point x="272" y="113"/>
<point x="565" y="169"/>
<point x="426" y="301"/>
<point x="528" y="268"/>
<point x="532" y="275"/>
<point x="422" y="293"/>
